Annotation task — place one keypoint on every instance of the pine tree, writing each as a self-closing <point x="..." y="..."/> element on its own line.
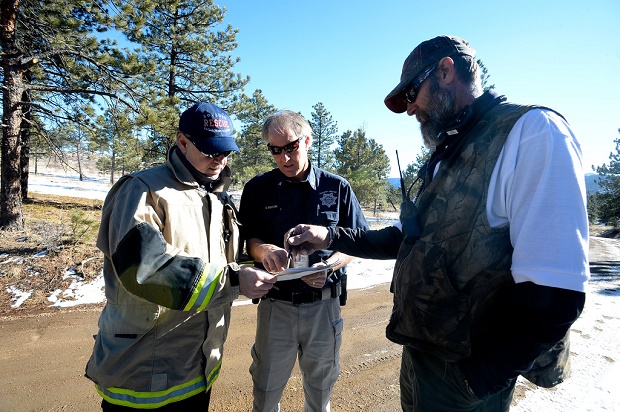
<point x="74" y="138"/>
<point x="324" y="130"/>
<point x="363" y="162"/>
<point x="117" y="141"/>
<point x="485" y="76"/>
<point x="254" y="157"/>
<point x="52" y="67"/>
<point x="191" y="61"/>
<point x="607" y="201"/>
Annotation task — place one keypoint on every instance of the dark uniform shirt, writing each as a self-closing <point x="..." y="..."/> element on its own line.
<point x="271" y="204"/>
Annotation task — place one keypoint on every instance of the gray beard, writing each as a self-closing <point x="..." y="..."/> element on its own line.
<point x="437" y="117"/>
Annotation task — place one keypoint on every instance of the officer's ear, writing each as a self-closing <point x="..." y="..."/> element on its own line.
<point x="308" y="141"/>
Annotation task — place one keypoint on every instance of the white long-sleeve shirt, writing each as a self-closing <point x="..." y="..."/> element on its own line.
<point x="538" y="188"/>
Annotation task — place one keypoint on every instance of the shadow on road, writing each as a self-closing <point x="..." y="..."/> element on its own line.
<point x="608" y="272"/>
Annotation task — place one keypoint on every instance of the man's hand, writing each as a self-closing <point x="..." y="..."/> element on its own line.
<point x="306" y="239"/>
<point x="255" y="283"/>
<point x="274" y="259"/>
<point x="317" y="279"/>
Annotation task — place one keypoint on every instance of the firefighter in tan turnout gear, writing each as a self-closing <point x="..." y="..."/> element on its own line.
<point x="170" y="240"/>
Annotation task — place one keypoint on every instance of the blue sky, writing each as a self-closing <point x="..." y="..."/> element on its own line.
<point x="349" y="54"/>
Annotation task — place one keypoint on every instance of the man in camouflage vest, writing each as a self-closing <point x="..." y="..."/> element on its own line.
<point x="492" y="255"/>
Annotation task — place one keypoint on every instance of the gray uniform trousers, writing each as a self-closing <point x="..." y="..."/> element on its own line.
<point x="312" y="332"/>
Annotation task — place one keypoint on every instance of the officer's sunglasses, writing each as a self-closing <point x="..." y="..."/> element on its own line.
<point x="414" y="86"/>
<point x="288" y="148"/>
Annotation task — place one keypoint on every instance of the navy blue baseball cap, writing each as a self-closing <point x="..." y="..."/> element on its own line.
<point x="209" y="128"/>
<point x="424" y="55"/>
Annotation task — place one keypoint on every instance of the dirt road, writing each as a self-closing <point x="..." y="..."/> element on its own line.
<point x="42" y="360"/>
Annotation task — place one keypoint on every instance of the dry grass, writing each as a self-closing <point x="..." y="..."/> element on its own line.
<point x="59" y="234"/>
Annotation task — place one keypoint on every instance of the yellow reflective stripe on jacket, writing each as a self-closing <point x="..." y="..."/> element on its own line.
<point x="213" y="375"/>
<point x="151" y="400"/>
<point x="204" y="289"/>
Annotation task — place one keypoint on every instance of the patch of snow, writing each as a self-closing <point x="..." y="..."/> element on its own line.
<point x="79" y="293"/>
<point x="13" y="259"/>
<point x="19" y="296"/>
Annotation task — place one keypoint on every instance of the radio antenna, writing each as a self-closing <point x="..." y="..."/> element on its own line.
<point x="402" y="181"/>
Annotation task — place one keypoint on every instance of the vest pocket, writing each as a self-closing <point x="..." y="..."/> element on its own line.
<point x="429" y="314"/>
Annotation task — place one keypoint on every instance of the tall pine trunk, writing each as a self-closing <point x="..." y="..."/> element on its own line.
<point x="11" y="217"/>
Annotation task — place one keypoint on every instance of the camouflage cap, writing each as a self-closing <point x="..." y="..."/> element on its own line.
<point x="425" y="54"/>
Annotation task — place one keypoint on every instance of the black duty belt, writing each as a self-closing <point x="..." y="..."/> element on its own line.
<point x="298" y="298"/>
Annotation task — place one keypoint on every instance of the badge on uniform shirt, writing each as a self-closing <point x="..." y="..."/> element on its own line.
<point x="328" y="199"/>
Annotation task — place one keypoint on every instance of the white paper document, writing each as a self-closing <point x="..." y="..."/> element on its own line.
<point x="296" y="273"/>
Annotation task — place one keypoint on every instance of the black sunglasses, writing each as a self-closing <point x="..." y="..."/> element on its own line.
<point x="210" y="156"/>
<point x="288" y="148"/>
<point x="414" y="86"/>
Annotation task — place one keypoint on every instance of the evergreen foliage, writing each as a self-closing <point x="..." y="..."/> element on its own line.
<point x="53" y="64"/>
<point x="411" y="182"/>
<point x="188" y="54"/>
<point x="363" y="162"/>
<point x="254" y="157"/>
<point x="118" y="143"/>
<point x="604" y="206"/>
<point x="70" y="90"/>
<point x="324" y="131"/>
<point x="484" y="76"/>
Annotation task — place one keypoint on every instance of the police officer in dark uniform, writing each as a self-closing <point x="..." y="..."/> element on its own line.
<point x="299" y="317"/>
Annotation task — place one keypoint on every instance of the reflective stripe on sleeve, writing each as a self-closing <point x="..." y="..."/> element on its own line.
<point x="213" y="375"/>
<point x="209" y="279"/>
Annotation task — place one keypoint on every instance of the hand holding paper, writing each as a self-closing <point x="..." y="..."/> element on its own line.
<point x="296" y="273"/>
